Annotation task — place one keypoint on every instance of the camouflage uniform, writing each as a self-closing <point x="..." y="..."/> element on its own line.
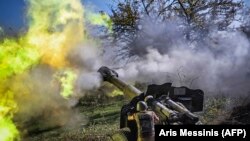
<point x="145" y="125"/>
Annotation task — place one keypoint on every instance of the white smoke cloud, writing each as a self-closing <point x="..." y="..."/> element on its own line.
<point x="87" y="58"/>
<point x="89" y="81"/>
<point x="218" y="63"/>
<point x="221" y="65"/>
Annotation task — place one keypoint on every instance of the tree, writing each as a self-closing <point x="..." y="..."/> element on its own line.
<point x="193" y="18"/>
<point x="245" y="27"/>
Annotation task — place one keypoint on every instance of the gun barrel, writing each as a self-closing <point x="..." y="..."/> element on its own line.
<point x="165" y="113"/>
<point x="130" y="92"/>
<point x="112" y="77"/>
<point x="181" y="109"/>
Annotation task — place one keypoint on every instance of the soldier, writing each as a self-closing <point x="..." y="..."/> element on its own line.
<point x="145" y="121"/>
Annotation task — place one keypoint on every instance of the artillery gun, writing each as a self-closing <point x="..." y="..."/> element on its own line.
<point x="173" y="105"/>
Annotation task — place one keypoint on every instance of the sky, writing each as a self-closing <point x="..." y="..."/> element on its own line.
<point x="12" y="12"/>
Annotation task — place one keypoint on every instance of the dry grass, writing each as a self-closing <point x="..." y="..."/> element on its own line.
<point x="103" y="120"/>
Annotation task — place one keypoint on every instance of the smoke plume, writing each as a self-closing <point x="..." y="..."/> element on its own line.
<point x="46" y="67"/>
<point x="217" y="64"/>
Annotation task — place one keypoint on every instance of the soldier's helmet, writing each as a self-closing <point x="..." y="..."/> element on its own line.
<point x="141" y="106"/>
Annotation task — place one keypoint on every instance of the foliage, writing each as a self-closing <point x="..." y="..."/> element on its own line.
<point x="216" y="109"/>
<point x="193" y="19"/>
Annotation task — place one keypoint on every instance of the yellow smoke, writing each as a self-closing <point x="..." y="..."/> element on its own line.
<point x="115" y="93"/>
<point x="112" y="91"/>
<point x="67" y="79"/>
<point x="16" y="56"/>
<point x="55" y="27"/>
<point x="101" y="19"/>
<point x="8" y="130"/>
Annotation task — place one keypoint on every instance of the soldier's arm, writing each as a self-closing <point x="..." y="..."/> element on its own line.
<point x="156" y="118"/>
